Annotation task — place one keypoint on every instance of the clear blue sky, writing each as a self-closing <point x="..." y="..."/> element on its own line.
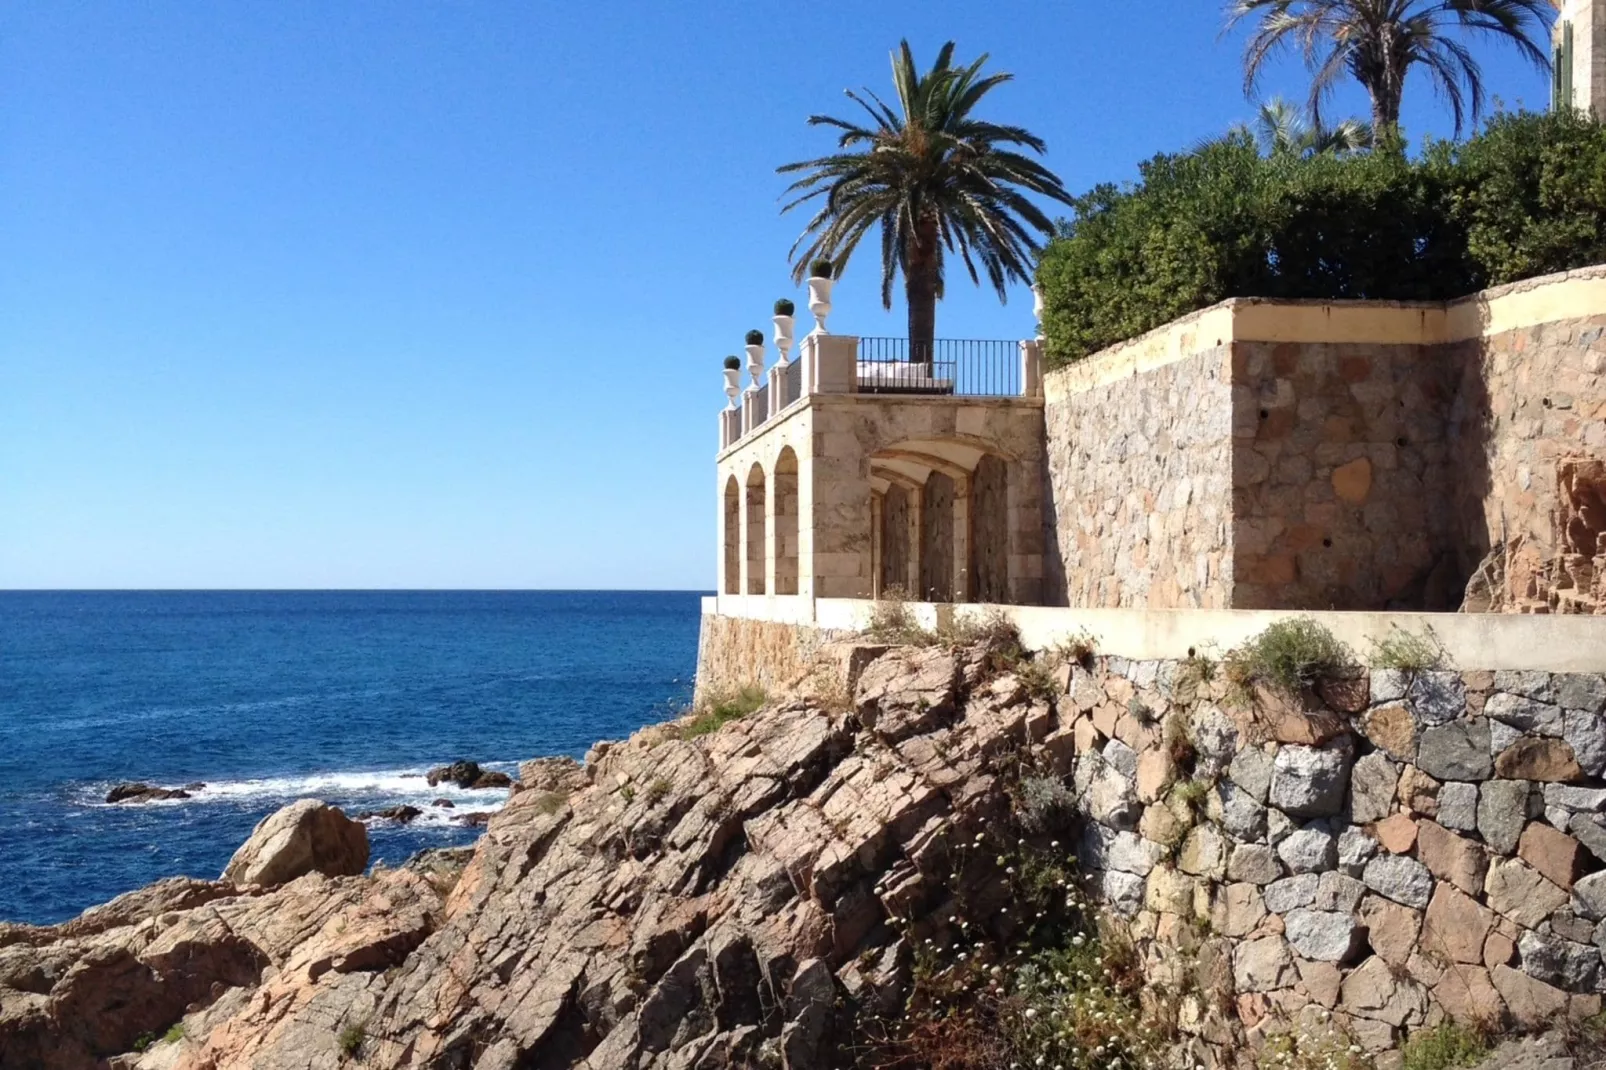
<point x="434" y="294"/>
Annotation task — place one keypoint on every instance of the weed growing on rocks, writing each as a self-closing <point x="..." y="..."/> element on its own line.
<point x="1022" y="974"/>
<point x="1444" y="1046"/>
<point x="1408" y="652"/>
<point x="351" y="1040"/>
<point x="1288" y="656"/>
<point x="1312" y="1051"/>
<point x="1045" y="805"/>
<point x="892" y="621"/>
<point x="720" y="710"/>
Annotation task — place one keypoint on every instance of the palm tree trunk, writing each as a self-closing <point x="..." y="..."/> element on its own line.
<point x="1385" y="111"/>
<point x="920" y="292"/>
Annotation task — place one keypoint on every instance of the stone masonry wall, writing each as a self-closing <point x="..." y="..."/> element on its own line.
<point x="734" y="652"/>
<point x="1340" y="494"/>
<point x="1398" y="849"/>
<point x="1140" y="470"/>
<point x="1529" y="426"/>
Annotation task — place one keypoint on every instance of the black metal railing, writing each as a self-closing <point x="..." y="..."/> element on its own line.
<point x="966" y="367"/>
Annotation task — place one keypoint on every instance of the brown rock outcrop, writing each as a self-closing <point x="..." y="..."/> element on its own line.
<point x="711" y="902"/>
<point x="307" y="836"/>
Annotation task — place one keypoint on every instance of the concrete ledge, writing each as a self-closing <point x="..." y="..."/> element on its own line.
<point x="1470" y="640"/>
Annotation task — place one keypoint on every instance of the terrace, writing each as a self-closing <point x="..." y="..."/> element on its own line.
<point x="868" y="465"/>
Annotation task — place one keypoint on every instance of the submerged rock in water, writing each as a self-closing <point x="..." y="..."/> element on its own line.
<point x="467" y="774"/>
<point x="478" y="819"/>
<point x="305" y="837"/>
<point x="136" y="791"/>
<point x="445" y="804"/>
<point x="400" y="814"/>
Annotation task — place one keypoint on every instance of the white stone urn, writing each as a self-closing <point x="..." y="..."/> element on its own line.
<point x="820" y="301"/>
<point x="733" y="385"/>
<point x="1037" y="307"/>
<point x="755" y="366"/>
<point x="783" y="338"/>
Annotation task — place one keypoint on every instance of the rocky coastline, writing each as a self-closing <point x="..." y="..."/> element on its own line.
<point x="949" y="851"/>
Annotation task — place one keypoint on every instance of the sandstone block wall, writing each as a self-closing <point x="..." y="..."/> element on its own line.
<point x="1358" y="455"/>
<point x="1340" y="494"/>
<point x="1401" y="848"/>
<point x="1141" y="471"/>
<point x="736" y="652"/>
<point x="1529" y="449"/>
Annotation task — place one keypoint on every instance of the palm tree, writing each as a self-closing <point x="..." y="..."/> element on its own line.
<point x="1280" y="129"/>
<point x="937" y="179"/>
<point x="1378" y="41"/>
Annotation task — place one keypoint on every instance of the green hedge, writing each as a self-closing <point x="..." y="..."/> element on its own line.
<point x="1525" y="197"/>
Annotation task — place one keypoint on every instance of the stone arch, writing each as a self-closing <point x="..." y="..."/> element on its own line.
<point x="733" y="537"/>
<point x="989" y="527"/>
<point x="786" y="522"/>
<point x="937" y="538"/>
<point x="895" y="538"/>
<point x="755" y="529"/>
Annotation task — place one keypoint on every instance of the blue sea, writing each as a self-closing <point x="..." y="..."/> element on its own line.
<point x="266" y="697"/>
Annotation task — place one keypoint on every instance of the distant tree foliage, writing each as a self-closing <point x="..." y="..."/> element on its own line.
<point x="1378" y="42"/>
<point x="1525" y="197"/>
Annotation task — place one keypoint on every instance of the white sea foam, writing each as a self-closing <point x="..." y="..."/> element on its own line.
<point x="374" y="789"/>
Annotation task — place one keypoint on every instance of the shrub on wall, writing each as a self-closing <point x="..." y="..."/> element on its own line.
<point x="1531" y="191"/>
<point x="1525" y="197"/>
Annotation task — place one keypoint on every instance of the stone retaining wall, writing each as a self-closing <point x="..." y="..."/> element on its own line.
<point x="736" y="652"/>
<point x="1141" y="473"/>
<point x="1395" y="849"/>
<point x="1346" y="455"/>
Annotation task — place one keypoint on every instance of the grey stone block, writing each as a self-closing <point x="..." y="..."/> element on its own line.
<point x="1456" y="751"/>
<point x="1458" y="806"/>
<point x="1502" y="811"/>
<point x="1402" y="879"/>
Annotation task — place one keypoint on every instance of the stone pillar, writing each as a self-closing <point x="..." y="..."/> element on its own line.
<point x="751" y="417"/>
<point x="917" y="512"/>
<point x="777" y="392"/>
<point x="771" y="550"/>
<point x="961" y="538"/>
<point x="1031" y="368"/>
<point x="831" y="363"/>
<point x="877" y="504"/>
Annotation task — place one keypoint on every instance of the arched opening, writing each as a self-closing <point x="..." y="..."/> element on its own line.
<point x="895" y="539"/>
<point x="733" y="537"/>
<point x="989" y="526"/>
<point x="786" y="519"/>
<point x="937" y="538"/>
<point x="755" y="530"/>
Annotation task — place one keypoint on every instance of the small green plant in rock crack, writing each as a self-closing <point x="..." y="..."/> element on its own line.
<point x="1408" y="652"/>
<point x="629" y="793"/>
<point x="1326" y="1050"/>
<point x="1044" y="805"/>
<point x="352" y="1038"/>
<point x="1444" y="1046"/>
<point x="1022" y="974"/>
<point x="893" y="622"/>
<point x="717" y="711"/>
<point x="1288" y="656"/>
<point x="657" y="790"/>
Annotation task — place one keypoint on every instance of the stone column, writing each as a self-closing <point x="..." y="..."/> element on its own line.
<point x="962" y="538"/>
<point x="1031" y="368"/>
<point x="833" y="363"/>
<point x="877" y="504"/>
<point x="770" y="526"/>
<point x="917" y="508"/>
